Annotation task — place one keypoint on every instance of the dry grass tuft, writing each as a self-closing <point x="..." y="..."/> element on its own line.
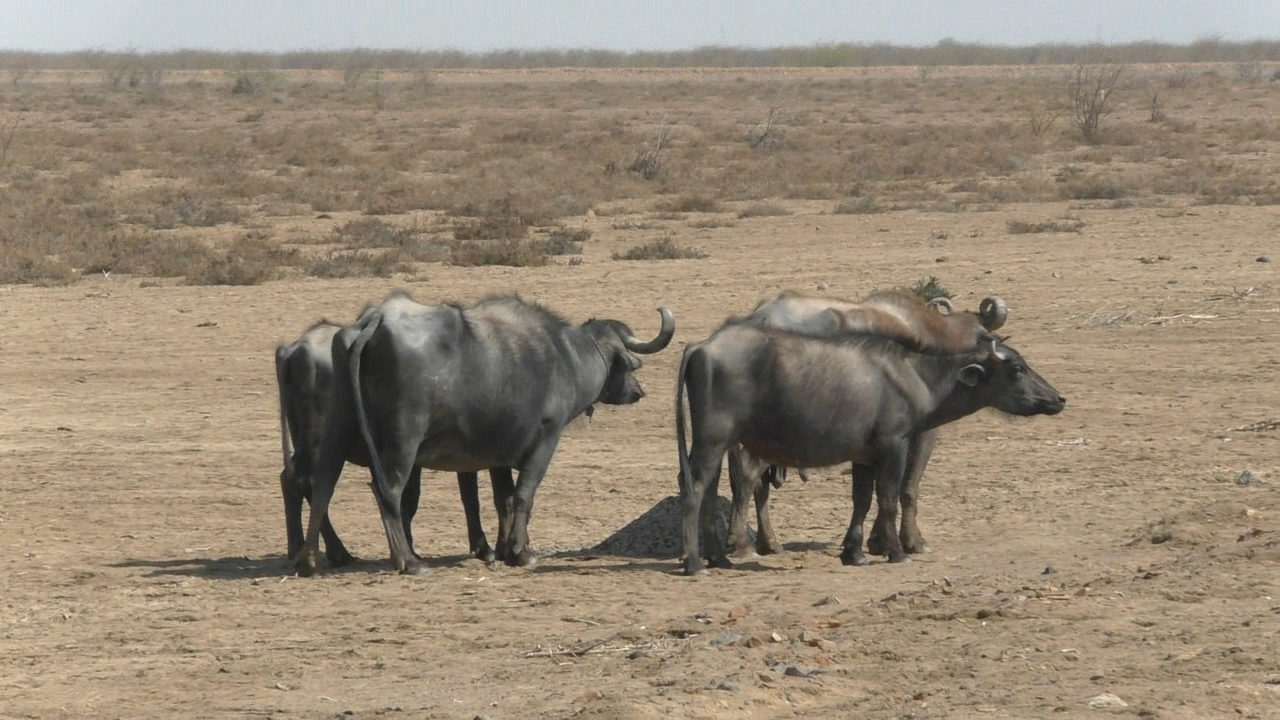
<point x="1023" y="227"/>
<point x="663" y="248"/>
<point x="860" y="205"/>
<point x="763" y="209"/>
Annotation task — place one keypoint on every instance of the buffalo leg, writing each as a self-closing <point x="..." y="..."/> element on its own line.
<point x="409" y="505"/>
<point x="520" y="552"/>
<point x="323" y="481"/>
<point x="890" y="470"/>
<point x="398" y="465"/>
<point x="766" y="539"/>
<point x="863" y="484"/>
<point x="504" y="490"/>
<point x="700" y="511"/>
<point x="742" y="485"/>
<point x="921" y="450"/>
<point x="918" y="457"/>
<point x="477" y="543"/>
<point x="292" y="495"/>
<point x="294" y="492"/>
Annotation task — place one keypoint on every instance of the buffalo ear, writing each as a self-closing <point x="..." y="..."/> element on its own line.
<point x="972" y="374"/>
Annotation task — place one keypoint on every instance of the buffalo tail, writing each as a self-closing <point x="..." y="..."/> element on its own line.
<point x="381" y="486"/>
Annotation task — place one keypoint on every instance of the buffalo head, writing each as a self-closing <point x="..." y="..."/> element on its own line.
<point x="1008" y="384"/>
<point x="616" y="343"/>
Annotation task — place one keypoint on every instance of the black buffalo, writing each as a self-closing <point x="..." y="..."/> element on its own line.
<point x="803" y="401"/>
<point x="466" y="389"/>
<point x="305" y="380"/>
<point x="904" y="315"/>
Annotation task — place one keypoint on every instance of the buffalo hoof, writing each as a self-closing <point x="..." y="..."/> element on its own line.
<point x="485" y="554"/>
<point x="694" y="569"/>
<point x="416" y="567"/>
<point x="722" y="562"/>
<point x="768" y="547"/>
<point x="305" y="566"/>
<point x="744" y="552"/>
<point x="875" y="544"/>
<point x="524" y="558"/>
<point x="915" y="545"/>
<point x="853" y="558"/>
<point x="341" y="558"/>
<point x="899" y="557"/>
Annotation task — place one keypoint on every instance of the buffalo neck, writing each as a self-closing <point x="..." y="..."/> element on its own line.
<point x="950" y="399"/>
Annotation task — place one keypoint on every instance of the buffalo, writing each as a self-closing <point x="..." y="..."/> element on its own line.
<point x="904" y="315"/>
<point x="460" y="389"/>
<point x="305" y="380"/>
<point x="799" y="400"/>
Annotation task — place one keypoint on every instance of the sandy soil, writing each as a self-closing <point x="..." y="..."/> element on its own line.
<point x="1107" y="550"/>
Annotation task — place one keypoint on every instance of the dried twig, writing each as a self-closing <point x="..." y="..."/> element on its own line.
<point x="1259" y="426"/>
<point x="1235" y="294"/>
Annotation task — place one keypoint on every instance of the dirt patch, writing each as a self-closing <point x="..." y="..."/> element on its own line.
<point x="140" y="517"/>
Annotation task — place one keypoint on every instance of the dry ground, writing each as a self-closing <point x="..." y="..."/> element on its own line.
<point x="1107" y="550"/>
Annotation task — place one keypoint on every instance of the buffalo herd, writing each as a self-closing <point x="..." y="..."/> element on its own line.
<point x="800" y="382"/>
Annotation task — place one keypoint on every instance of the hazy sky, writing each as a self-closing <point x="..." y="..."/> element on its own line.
<point x="274" y="25"/>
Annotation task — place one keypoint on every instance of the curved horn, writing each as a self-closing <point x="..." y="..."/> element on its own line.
<point x="993" y="312"/>
<point x="663" y="339"/>
<point x="995" y="350"/>
<point x="942" y="304"/>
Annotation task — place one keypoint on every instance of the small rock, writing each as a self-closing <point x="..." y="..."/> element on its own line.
<point x="983" y="614"/>
<point x="725" y="638"/>
<point x="637" y="654"/>
<point x="481" y="717"/>
<point x="796" y="671"/>
<point x="828" y="600"/>
<point x="726" y="686"/>
<point x="1106" y="700"/>
<point x="1049" y="570"/>
<point x="941" y="259"/>
<point x="777" y="637"/>
<point x="1248" y="478"/>
<point x="1264" y="259"/>
<point x="822" y="286"/>
<point x="753" y="642"/>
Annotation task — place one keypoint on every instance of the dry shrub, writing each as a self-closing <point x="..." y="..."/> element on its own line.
<point x="25" y="266"/>
<point x="1095" y="186"/>
<point x="250" y="260"/>
<point x="1023" y="227"/>
<point x="371" y="233"/>
<point x="928" y="288"/>
<point x="860" y="205"/>
<point x="763" y="209"/>
<point x="690" y="203"/>
<point x="663" y="248"/>
<point x="564" y="241"/>
<point x="511" y="252"/>
<point x="186" y="209"/>
<point x="1089" y="94"/>
<point x="713" y="222"/>
<point x="355" y="263"/>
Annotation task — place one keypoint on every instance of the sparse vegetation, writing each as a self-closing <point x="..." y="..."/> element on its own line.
<point x="663" y="248"/>
<point x="1023" y="227"/>
<point x="763" y="209"/>
<point x="860" y="205"/>
<point x="690" y="203"/>
<point x="101" y="169"/>
<point x="250" y="260"/>
<point x="513" y="252"/>
<point x="929" y="288"/>
<point x="1090" y="93"/>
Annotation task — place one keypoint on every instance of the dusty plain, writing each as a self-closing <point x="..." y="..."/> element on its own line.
<point x="1112" y="555"/>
